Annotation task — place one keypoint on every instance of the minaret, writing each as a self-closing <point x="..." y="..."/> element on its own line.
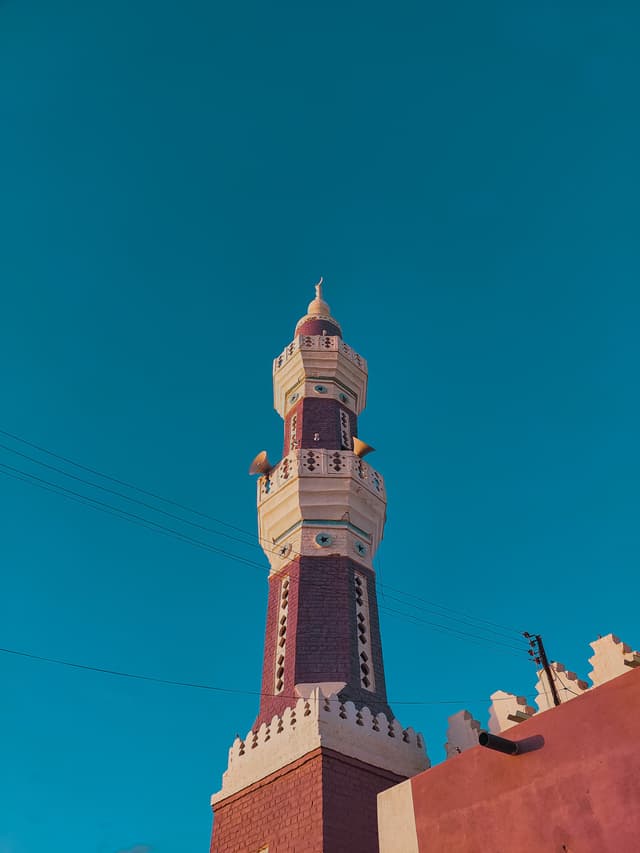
<point x="325" y="741"/>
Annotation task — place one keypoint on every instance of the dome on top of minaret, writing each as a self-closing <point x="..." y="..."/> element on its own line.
<point x="318" y="319"/>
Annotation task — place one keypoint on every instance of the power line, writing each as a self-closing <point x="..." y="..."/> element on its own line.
<point x="510" y="630"/>
<point x="563" y="686"/>
<point x="460" y="634"/>
<point x="153" y="525"/>
<point x="102" y="506"/>
<point x="127" y="497"/>
<point x="121" y="482"/>
<point x="202" y="685"/>
<point x="462" y="621"/>
<point x="186" y="508"/>
<point x="32" y="479"/>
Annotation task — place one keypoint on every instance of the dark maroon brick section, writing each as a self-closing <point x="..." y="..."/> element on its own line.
<point x="283" y="811"/>
<point x="295" y="410"/>
<point x="375" y="700"/>
<point x="319" y="415"/>
<point x="318" y="327"/>
<point x="272" y="704"/>
<point x="322" y="636"/>
<point x="350" y="791"/>
<point x="322" y="803"/>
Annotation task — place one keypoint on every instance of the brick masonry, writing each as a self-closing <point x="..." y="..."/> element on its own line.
<point x="318" y="415"/>
<point x="322" y="637"/>
<point x="323" y="803"/>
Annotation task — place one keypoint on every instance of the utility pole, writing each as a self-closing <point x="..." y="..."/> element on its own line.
<point x="539" y="655"/>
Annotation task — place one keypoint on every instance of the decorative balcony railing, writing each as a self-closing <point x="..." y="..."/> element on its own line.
<point x="318" y="343"/>
<point x="323" y="463"/>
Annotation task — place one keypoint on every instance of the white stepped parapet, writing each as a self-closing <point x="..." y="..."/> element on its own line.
<point x="567" y="683"/>
<point x="611" y="658"/>
<point x="507" y="710"/>
<point x="322" y="720"/>
<point x="462" y="733"/>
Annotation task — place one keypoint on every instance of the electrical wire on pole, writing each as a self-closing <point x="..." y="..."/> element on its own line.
<point x="539" y="655"/>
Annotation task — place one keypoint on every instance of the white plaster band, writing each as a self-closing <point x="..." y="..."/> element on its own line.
<point x="322" y="720"/>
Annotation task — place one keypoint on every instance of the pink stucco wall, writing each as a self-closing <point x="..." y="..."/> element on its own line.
<point x="580" y="793"/>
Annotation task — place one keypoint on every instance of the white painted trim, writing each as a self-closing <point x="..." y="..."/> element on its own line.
<point x="307" y="357"/>
<point x="335" y="486"/>
<point x="363" y="628"/>
<point x="321" y="720"/>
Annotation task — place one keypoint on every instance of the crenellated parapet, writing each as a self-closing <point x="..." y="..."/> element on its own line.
<point x="320" y="720"/>
<point x="507" y="710"/>
<point x="462" y="733"/>
<point x="568" y="686"/>
<point x="611" y="658"/>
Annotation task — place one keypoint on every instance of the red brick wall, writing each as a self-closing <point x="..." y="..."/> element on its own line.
<point x="284" y="810"/>
<point x="318" y="415"/>
<point x="322" y="803"/>
<point x="578" y="794"/>
<point x="349" y="796"/>
<point x="321" y="634"/>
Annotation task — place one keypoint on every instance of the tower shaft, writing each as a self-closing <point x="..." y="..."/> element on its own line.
<point x="325" y="741"/>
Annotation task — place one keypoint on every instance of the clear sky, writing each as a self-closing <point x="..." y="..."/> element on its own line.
<point x="174" y="178"/>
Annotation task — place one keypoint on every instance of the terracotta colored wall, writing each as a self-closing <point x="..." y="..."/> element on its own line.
<point x="580" y="793"/>
<point x="323" y="803"/>
<point x="284" y="811"/>
<point x="350" y="790"/>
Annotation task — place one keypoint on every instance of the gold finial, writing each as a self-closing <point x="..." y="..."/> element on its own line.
<point x="318" y="305"/>
<point x="318" y="308"/>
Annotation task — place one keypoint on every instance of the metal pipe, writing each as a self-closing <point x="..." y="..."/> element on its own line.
<point x="500" y="744"/>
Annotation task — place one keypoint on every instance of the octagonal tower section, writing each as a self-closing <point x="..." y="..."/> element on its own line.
<point x="321" y="514"/>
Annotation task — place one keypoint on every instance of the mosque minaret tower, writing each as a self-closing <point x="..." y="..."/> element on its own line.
<point x="325" y="741"/>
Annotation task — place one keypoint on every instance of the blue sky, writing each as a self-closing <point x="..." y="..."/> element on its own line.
<point x="175" y="177"/>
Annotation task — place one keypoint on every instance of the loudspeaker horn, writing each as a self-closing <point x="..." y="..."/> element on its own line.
<point x="260" y="464"/>
<point x="360" y="448"/>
